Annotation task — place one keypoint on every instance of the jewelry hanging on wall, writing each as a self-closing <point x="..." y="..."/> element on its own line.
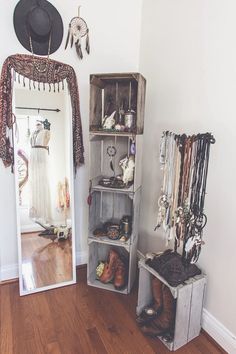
<point x="111" y="152"/>
<point x="132" y="146"/>
<point x="77" y="30"/>
<point x="184" y="162"/>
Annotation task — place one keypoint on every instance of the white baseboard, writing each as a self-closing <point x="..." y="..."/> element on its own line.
<point x="219" y="332"/>
<point x="31" y="228"/>
<point x="81" y="258"/>
<point x="9" y="272"/>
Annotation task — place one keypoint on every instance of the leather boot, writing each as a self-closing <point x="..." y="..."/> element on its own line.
<point x="151" y="331"/>
<point x="157" y="294"/>
<point x="110" y="267"/>
<point x="155" y="308"/>
<point x="120" y="275"/>
<point x="165" y="321"/>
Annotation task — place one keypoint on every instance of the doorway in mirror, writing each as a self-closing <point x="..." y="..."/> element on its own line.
<point x="44" y="189"/>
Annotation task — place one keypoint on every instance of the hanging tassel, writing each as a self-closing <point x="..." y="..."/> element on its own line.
<point x="54" y="87"/>
<point x="68" y="36"/>
<point x="39" y="86"/>
<point x="34" y="84"/>
<point x="78" y="49"/>
<point x="111" y="166"/>
<point x="58" y="87"/>
<point x="71" y="40"/>
<point x="49" y="87"/>
<point x="44" y="86"/>
<point x="63" y="86"/>
<point x="19" y="78"/>
<point x="29" y="84"/>
<point x="87" y="43"/>
<point x="24" y="81"/>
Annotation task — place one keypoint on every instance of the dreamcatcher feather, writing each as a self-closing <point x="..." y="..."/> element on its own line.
<point x="77" y="30"/>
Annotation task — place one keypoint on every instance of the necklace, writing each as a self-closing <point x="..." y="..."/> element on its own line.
<point x="41" y="67"/>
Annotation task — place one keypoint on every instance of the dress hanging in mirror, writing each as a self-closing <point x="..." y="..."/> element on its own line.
<point x="40" y="205"/>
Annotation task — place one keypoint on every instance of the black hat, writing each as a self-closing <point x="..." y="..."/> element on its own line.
<point x="40" y="21"/>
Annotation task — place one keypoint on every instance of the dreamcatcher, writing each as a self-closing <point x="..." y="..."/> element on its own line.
<point x="77" y="30"/>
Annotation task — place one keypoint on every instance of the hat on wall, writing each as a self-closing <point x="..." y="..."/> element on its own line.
<point x="38" y="26"/>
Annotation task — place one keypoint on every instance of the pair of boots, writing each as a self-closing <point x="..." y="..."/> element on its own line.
<point x="158" y="320"/>
<point x="114" y="269"/>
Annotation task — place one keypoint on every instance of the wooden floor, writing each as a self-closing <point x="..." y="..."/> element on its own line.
<point x="79" y="319"/>
<point x="45" y="262"/>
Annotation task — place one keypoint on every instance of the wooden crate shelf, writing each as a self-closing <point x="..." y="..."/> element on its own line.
<point x="189" y="303"/>
<point x="99" y="166"/>
<point x="99" y="252"/>
<point x="107" y="241"/>
<point x="109" y="204"/>
<point x="114" y="88"/>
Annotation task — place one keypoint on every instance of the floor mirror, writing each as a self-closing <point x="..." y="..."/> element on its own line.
<point x="44" y="178"/>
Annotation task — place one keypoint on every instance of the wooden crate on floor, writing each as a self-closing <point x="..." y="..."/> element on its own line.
<point x="189" y="303"/>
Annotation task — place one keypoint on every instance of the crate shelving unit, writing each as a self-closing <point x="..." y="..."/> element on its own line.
<point x="110" y="204"/>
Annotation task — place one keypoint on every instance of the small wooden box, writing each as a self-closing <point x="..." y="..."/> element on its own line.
<point x="110" y="92"/>
<point x="112" y="206"/>
<point x="99" y="252"/>
<point x="189" y="303"/>
<point x="99" y="161"/>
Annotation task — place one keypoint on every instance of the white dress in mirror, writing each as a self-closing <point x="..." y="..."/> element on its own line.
<point x="40" y="201"/>
<point x="44" y="183"/>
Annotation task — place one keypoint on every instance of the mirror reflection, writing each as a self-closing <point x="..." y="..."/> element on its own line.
<point x="43" y="148"/>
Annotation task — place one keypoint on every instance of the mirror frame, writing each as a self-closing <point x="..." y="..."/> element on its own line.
<point x="18" y="224"/>
<point x="54" y="74"/>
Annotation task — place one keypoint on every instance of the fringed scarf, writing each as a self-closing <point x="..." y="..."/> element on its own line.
<point x="37" y="70"/>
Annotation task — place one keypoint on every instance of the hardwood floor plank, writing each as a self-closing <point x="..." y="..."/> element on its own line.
<point x="6" y="334"/>
<point x="53" y="348"/>
<point x="79" y="319"/>
<point x="39" y="254"/>
<point x="96" y="341"/>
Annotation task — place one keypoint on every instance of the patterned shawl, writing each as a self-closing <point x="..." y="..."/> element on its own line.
<point x="40" y="70"/>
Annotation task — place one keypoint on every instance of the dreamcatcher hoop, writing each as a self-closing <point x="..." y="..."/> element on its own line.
<point x="78" y="24"/>
<point x="78" y="29"/>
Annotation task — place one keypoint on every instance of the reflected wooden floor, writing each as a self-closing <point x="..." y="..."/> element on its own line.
<point x="45" y="262"/>
<point x="79" y="319"/>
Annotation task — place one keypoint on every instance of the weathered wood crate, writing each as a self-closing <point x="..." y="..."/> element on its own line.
<point x="111" y="206"/>
<point x="122" y="93"/>
<point x="99" y="252"/>
<point x="189" y="303"/>
<point x="99" y="161"/>
<point x="109" y="92"/>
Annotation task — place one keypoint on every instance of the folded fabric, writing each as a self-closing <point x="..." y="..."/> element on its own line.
<point x="170" y="266"/>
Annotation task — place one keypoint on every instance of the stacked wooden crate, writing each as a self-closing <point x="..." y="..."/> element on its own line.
<point x="189" y="303"/>
<point x="109" y="203"/>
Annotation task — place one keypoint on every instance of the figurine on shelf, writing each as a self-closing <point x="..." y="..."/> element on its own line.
<point x="127" y="164"/>
<point x="108" y="122"/>
<point x="129" y="120"/>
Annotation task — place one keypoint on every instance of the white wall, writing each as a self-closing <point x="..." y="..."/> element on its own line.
<point x="188" y="55"/>
<point x="114" y="33"/>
